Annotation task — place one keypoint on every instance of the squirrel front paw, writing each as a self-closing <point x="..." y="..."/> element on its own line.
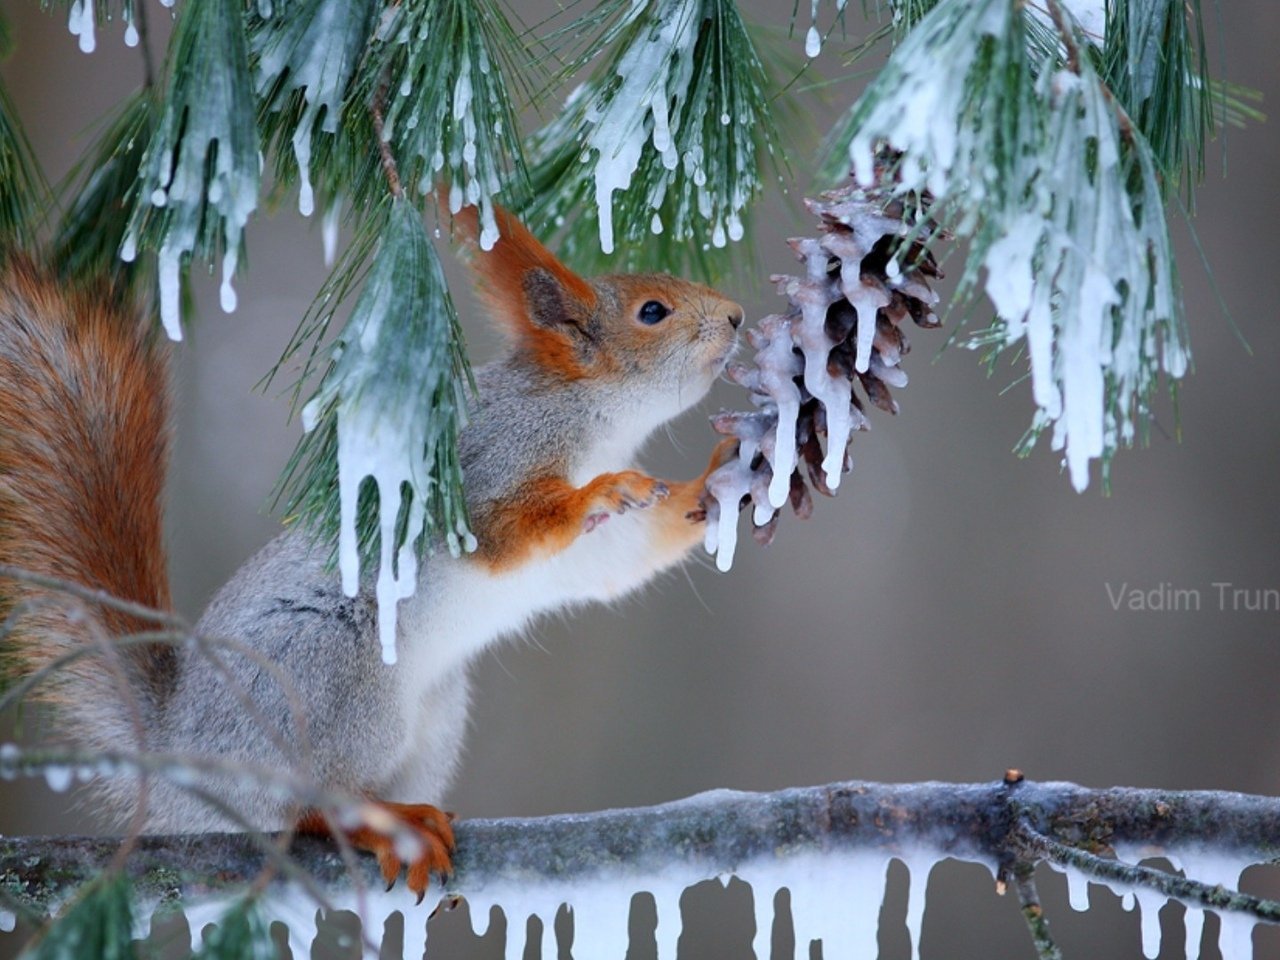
<point x="430" y="826"/>
<point x="628" y="490"/>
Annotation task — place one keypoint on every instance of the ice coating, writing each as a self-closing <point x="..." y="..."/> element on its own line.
<point x="844" y="323"/>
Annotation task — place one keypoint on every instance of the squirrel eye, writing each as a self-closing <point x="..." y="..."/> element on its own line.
<point x="652" y="312"/>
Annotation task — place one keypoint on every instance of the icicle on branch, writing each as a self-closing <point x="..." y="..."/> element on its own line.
<point x="1004" y="117"/>
<point x="201" y="171"/>
<point x="820" y="842"/>
<point x="667" y="144"/>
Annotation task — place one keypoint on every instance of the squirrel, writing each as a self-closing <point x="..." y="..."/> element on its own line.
<point x="560" y="515"/>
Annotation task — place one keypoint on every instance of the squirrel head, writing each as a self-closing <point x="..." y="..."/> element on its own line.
<point x="652" y="338"/>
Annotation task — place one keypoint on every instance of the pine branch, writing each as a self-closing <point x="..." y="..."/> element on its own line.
<point x="1011" y="825"/>
<point x="1030" y="155"/>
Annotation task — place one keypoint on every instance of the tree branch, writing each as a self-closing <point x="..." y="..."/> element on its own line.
<point x="1012" y="823"/>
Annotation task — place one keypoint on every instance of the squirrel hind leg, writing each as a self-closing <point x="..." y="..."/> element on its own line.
<point x="384" y="833"/>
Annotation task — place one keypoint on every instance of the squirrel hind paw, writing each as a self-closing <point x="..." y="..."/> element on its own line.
<point x="414" y="834"/>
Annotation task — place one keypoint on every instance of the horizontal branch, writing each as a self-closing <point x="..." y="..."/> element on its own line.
<point x="1010" y="824"/>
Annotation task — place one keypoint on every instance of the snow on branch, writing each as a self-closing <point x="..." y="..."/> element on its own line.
<point x="824" y="843"/>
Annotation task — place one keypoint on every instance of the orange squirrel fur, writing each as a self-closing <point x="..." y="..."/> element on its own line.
<point x="560" y="515"/>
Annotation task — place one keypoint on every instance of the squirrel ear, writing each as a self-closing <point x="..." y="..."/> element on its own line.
<point x="527" y="288"/>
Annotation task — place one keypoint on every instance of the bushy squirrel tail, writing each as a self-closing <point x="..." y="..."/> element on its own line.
<point x="84" y="436"/>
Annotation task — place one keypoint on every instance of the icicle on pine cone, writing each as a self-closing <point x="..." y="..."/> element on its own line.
<point x="868" y="261"/>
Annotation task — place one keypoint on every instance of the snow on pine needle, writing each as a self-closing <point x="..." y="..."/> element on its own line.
<point x="389" y="408"/>
<point x="1030" y="157"/>
<point x="665" y="144"/>
<point x="201" y="171"/>
<point x="865" y="274"/>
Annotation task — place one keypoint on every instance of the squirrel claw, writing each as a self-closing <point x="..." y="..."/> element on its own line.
<point x="431" y="827"/>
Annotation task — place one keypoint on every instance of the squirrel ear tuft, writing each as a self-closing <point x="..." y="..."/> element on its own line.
<point x="526" y="287"/>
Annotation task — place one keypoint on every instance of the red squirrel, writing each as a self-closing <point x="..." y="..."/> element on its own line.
<point x="560" y="515"/>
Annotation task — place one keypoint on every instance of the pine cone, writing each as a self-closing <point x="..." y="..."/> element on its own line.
<point x="866" y="272"/>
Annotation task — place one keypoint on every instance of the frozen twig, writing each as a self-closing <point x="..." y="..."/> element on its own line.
<point x="1012" y="825"/>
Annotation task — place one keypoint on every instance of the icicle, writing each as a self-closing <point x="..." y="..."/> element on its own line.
<point x="616" y="137"/>
<point x="302" y="153"/>
<point x="1149" y="904"/>
<point x="8" y="921"/>
<point x="844" y="914"/>
<point x="813" y="40"/>
<point x="600" y="916"/>
<point x="762" y="906"/>
<point x="329" y="224"/>
<point x="1077" y="890"/>
<point x="130" y="35"/>
<point x="81" y="24"/>
<point x="812" y="43"/>
<point x="919" y="866"/>
<point x="1235" y="936"/>
<point x="169" y="262"/>
<point x="227" y="293"/>
<point x="666" y="900"/>
<point x="58" y="777"/>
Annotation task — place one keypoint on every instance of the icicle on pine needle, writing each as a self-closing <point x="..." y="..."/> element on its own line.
<point x="667" y="144"/>
<point x="201" y="171"/>
<point x="389" y="408"/>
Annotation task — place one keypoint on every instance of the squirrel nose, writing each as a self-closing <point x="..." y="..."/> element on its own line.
<point x="735" y="316"/>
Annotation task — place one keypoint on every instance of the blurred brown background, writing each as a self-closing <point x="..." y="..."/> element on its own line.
<point x="946" y="617"/>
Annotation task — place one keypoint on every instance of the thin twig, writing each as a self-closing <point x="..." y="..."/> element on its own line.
<point x="109" y="600"/>
<point x="1067" y="33"/>
<point x="384" y="148"/>
<point x="1170" y="885"/>
<point x="1024" y="881"/>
